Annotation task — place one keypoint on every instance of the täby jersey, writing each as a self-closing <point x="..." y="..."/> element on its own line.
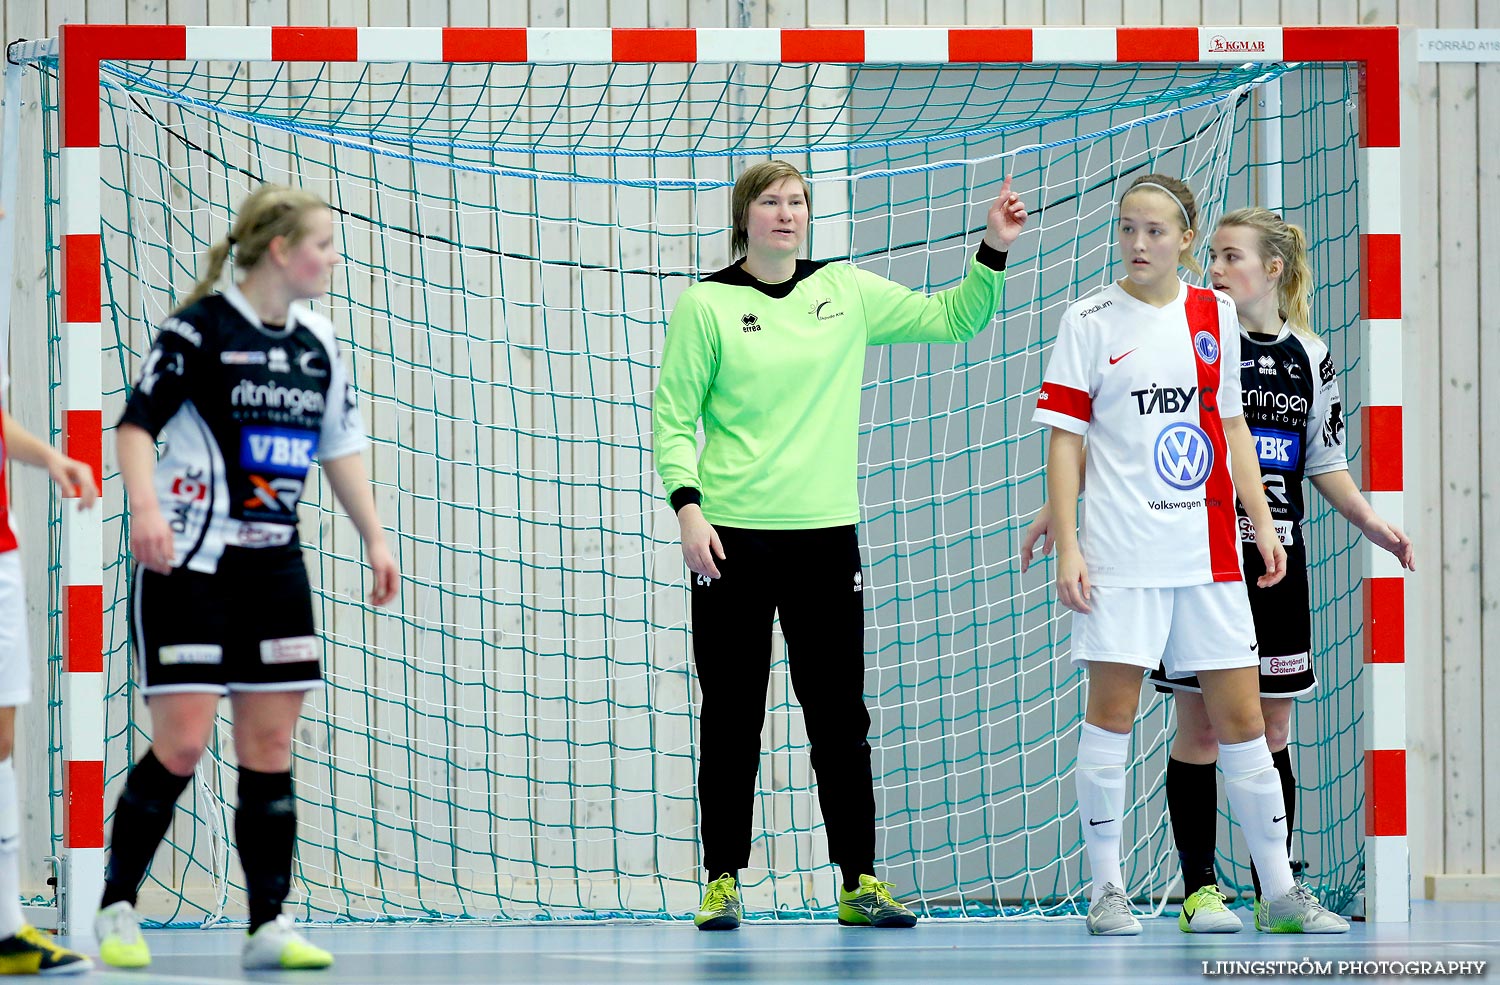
<point x="243" y="410"/>
<point x="1150" y="388"/>
<point x="1292" y="404"/>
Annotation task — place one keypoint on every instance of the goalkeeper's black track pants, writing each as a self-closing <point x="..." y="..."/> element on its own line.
<point x="812" y="580"/>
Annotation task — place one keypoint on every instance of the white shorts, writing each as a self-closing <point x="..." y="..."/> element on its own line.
<point x="1188" y="629"/>
<point x="15" y="646"/>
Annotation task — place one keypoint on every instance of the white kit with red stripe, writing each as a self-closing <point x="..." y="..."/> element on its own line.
<point x="1150" y="388"/>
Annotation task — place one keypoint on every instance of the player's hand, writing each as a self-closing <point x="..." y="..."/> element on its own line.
<point x="386" y="572"/>
<point x="700" y="542"/>
<point x="1041" y="526"/>
<point x="151" y="540"/>
<point x="1006" y="219"/>
<point x="1271" y="553"/>
<point x="1073" y="588"/>
<point x="1390" y="538"/>
<point x="74" y="478"/>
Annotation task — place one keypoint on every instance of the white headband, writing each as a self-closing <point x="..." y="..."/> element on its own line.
<point x="1170" y="194"/>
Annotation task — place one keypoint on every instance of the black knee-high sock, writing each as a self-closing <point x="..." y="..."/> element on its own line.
<point x="265" y="828"/>
<point x="142" y="816"/>
<point x="1193" y="802"/>
<point x="1283" y="761"/>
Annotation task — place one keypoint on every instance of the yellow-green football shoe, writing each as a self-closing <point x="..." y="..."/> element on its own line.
<point x="1204" y="912"/>
<point x="720" y="909"/>
<point x="118" y="929"/>
<point x="872" y="905"/>
<point x="278" y="945"/>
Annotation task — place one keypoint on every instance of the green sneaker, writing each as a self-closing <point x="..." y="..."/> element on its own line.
<point x="720" y="909"/>
<point x="118" y="930"/>
<point x="1204" y="912"/>
<point x="1298" y="912"/>
<point x="872" y="905"/>
<point x="277" y="945"/>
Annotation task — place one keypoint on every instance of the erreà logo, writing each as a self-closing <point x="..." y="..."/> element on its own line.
<point x="749" y="322"/>
<point x="1219" y="44"/>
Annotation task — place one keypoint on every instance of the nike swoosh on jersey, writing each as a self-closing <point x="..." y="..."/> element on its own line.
<point x="1115" y="359"/>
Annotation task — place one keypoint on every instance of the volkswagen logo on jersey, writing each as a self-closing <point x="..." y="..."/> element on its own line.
<point x="1183" y="454"/>
<point x="1207" y="346"/>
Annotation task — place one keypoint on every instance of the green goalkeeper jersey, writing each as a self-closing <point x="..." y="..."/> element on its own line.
<point x="774" y="371"/>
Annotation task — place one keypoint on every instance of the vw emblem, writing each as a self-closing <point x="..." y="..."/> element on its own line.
<point x="1183" y="455"/>
<point x="1207" y="346"/>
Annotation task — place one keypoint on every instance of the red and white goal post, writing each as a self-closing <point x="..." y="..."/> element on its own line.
<point x="1376" y="51"/>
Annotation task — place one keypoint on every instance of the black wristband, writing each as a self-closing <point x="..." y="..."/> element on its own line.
<point x="685" y="496"/>
<point x="992" y="258"/>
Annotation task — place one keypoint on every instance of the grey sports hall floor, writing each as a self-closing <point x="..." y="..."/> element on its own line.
<point x="1030" y="951"/>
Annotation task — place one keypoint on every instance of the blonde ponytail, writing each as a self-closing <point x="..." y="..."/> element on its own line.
<point x="1295" y="289"/>
<point x="217" y="254"/>
<point x="268" y="212"/>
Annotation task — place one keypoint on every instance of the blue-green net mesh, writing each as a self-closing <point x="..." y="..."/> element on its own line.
<point x="515" y="737"/>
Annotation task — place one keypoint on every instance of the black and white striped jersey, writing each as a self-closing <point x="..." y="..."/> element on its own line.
<point x="1290" y="392"/>
<point x="242" y="410"/>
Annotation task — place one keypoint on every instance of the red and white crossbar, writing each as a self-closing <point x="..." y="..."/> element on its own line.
<point x="1374" y="49"/>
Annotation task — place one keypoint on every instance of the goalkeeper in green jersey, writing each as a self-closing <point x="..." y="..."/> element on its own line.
<point x="769" y="354"/>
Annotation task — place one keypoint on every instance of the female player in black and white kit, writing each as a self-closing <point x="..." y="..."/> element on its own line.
<point x="1293" y="406"/>
<point x="246" y="389"/>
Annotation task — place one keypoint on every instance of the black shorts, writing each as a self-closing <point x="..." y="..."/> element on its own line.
<point x="1283" y="630"/>
<point x="246" y="627"/>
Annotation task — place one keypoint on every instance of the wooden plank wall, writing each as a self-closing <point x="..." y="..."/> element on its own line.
<point x="1453" y="344"/>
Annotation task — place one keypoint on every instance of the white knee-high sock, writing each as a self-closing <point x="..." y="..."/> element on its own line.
<point x="11" y="917"/>
<point x="1101" y="801"/>
<point x="1254" y="789"/>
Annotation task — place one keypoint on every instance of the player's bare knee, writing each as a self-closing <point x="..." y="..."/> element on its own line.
<point x="1195" y="743"/>
<point x="179" y="759"/>
<point x="7" y="746"/>
<point x="267" y="751"/>
<point x="1241" y="726"/>
<point x="1278" y="734"/>
<point x="1112" y="718"/>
